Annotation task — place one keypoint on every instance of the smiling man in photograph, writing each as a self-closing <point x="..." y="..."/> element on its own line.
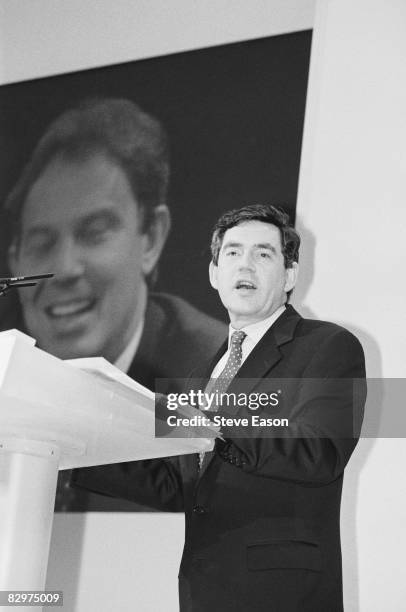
<point x="262" y="511"/>
<point x="91" y="207"/>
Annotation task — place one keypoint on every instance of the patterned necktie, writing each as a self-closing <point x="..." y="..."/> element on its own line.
<point x="220" y="385"/>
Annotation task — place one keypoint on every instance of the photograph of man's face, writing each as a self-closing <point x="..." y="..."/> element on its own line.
<point x="80" y="216"/>
<point x="113" y="180"/>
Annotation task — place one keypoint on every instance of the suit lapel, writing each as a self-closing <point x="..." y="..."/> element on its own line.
<point x="201" y="375"/>
<point x="266" y="354"/>
<point x="262" y="359"/>
<point x="144" y="368"/>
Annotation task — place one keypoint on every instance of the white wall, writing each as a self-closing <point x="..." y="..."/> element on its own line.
<point x="45" y="37"/>
<point x="124" y="562"/>
<point x="352" y="212"/>
<point x="116" y="562"/>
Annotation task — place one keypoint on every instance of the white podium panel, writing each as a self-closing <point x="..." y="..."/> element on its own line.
<point x="56" y="416"/>
<point x="92" y="419"/>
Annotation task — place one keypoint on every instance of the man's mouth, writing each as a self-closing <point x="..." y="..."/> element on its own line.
<point x="70" y="309"/>
<point x="245" y="285"/>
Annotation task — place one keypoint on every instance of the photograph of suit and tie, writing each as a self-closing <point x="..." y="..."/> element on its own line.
<point x="262" y="513"/>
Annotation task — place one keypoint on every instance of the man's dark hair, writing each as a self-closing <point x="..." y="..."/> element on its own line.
<point x="290" y="239"/>
<point x="116" y="128"/>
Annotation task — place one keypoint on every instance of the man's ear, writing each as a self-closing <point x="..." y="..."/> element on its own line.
<point x="155" y="238"/>
<point x="291" y="276"/>
<point x="213" y="269"/>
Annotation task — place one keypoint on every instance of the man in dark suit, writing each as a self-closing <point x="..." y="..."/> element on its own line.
<point x="262" y="511"/>
<point x="90" y="206"/>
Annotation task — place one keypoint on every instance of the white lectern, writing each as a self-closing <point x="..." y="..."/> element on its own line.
<point x="55" y="416"/>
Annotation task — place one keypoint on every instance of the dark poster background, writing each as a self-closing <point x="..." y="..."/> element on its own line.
<point x="234" y="115"/>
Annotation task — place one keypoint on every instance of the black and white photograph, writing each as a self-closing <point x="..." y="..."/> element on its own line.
<point x="202" y="199"/>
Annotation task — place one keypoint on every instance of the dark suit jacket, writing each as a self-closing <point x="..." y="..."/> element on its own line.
<point x="172" y="327"/>
<point x="262" y="521"/>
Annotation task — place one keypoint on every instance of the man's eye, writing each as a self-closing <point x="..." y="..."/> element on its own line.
<point x="231" y="253"/>
<point x="97" y="230"/>
<point x="37" y="246"/>
<point x="95" y="233"/>
<point x="265" y="255"/>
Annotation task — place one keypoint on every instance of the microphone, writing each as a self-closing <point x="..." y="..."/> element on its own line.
<point x="15" y="282"/>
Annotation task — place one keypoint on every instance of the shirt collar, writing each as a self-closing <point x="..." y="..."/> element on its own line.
<point x="255" y="331"/>
<point x="124" y="360"/>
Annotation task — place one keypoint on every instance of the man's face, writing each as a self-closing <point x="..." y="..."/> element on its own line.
<point x="251" y="277"/>
<point x="81" y="222"/>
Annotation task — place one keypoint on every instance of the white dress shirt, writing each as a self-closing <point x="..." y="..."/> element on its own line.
<point x="254" y="332"/>
<point x="124" y="360"/>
